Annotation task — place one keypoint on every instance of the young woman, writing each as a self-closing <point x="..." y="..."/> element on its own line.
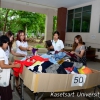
<point x="21" y="43"/>
<point x="22" y="48"/>
<point x="9" y="50"/>
<point x="5" y="92"/>
<point x="79" y="49"/>
<point x="57" y="44"/>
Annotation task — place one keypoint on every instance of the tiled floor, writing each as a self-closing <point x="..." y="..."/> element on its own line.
<point x="28" y="95"/>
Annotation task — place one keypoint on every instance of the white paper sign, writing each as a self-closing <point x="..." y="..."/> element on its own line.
<point x="93" y="36"/>
<point x="78" y="80"/>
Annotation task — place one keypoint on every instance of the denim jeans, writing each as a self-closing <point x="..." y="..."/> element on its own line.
<point x="54" y="57"/>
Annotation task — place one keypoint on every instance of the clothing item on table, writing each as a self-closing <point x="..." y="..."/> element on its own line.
<point x="37" y="69"/>
<point x="71" y="59"/>
<point x="18" y="70"/>
<point x="72" y="55"/>
<point x="56" y="52"/>
<point x="50" y="57"/>
<point x="67" y="72"/>
<point x="40" y="69"/>
<point x="6" y="93"/>
<point x="35" y="64"/>
<point x="44" y="65"/>
<point x="67" y="60"/>
<point x="78" y="65"/>
<point x="60" y="61"/>
<point x="61" y="69"/>
<point x="52" y="69"/>
<point x="75" y="70"/>
<point x="34" y="51"/>
<point x="22" y="64"/>
<point x="59" y="55"/>
<point x="39" y="58"/>
<point x="70" y="69"/>
<point x="54" y="57"/>
<point x="27" y="62"/>
<point x="85" y="70"/>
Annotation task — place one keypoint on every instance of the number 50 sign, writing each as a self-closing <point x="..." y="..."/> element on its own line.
<point x="78" y="80"/>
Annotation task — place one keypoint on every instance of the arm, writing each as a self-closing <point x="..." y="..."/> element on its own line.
<point x="23" y="48"/>
<point x="62" y="50"/>
<point x="62" y="46"/>
<point x="17" y="54"/>
<point x="5" y="66"/>
<point x="81" y="53"/>
<point x="18" y="43"/>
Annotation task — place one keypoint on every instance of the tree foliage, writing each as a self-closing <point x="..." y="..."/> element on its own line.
<point x="15" y="20"/>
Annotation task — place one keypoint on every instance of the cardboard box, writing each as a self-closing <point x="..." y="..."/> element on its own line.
<point x="93" y="79"/>
<point x="47" y="82"/>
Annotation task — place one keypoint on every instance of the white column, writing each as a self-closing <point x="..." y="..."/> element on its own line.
<point x="49" y="27"/>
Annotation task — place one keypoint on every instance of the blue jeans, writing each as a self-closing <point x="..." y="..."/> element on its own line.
<point x="54" y="57"/>
<point x="59" y="55"/>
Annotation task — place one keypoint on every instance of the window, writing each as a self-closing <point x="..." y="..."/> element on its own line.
<point x="79" y="19"/>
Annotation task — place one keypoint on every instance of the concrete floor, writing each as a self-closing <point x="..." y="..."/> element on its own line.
<point x="28" y="95"/>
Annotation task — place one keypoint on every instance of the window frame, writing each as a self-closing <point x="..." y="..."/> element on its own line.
<point x="90" y="10"/>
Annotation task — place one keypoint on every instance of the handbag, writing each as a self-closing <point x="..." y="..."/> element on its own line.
<point x="4" y="77"/>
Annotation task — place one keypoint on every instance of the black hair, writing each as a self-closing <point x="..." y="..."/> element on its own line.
<point x="56" y="32"/>
<point x="3" y="39"/>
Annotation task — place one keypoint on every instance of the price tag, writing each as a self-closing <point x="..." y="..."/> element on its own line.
<point x="78" y="80"/>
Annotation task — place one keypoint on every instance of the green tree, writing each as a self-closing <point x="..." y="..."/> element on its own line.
<point x="14" y="20"/>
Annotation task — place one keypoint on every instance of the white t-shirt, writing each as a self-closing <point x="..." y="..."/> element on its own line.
<point x="5" y="58"/>
<point x="23" y="44"/>
<point x="57" y="45"/>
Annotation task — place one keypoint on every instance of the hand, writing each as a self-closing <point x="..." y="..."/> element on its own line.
<point x="17" y="65"/>
<point x="10" y="63"/>
<point x="51" y="47"/>
<point x="29" y="48"/>
<point x="72" y="52"/>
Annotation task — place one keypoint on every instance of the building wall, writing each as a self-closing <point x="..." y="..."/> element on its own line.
<point x="93" y="37"/>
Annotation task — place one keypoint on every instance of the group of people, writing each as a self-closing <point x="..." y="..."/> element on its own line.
<point x="6" y="47"/>
<point x="6" y="43"/>
<point x="78" y="47"/>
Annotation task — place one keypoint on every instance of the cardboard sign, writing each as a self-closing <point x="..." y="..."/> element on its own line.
<point x="78" y="80"/>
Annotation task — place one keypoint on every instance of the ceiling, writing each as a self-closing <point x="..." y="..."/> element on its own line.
<point x="57" y="3"/>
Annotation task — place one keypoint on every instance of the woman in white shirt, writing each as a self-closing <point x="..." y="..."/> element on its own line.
<point x="57" y="44"/>
<point x="22" y="48"/>
<point x="5" y="91"/>
<point x="21" y="43"/>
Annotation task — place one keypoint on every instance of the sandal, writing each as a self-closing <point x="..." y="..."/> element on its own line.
<point x="18" y="89"/>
